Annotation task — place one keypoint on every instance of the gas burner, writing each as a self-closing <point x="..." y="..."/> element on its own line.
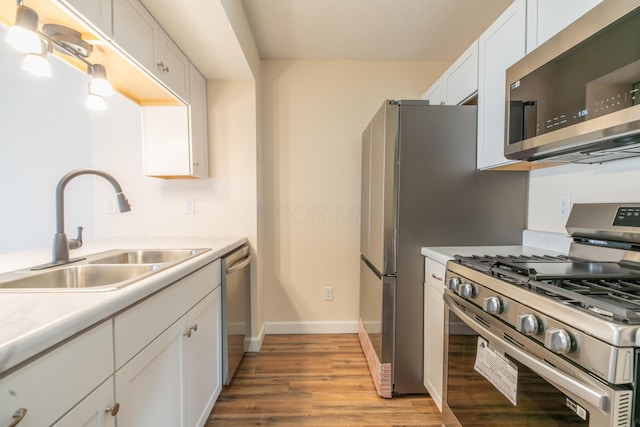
<point x="608" y="290"/>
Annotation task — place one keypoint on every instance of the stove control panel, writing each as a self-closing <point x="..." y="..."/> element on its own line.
<point x="627" y="216"/>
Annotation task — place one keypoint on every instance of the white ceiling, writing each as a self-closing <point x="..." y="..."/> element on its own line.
<point x="429" y="30"/>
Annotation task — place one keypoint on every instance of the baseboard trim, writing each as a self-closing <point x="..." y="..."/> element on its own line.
<point x="255" y="343"/>
<point x="273" y="328"/>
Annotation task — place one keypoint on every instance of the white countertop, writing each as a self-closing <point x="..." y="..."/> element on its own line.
<point x="31" y="322"/>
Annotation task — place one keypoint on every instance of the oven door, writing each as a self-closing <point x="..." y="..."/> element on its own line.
<point x="493" y="376"/>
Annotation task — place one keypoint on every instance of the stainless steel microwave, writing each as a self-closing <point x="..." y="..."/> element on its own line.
<point x="576" y="97"/>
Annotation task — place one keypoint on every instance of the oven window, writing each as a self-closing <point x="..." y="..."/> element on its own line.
<point x="476" y="402"/>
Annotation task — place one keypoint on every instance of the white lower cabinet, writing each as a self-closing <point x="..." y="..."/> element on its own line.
<point x="149" y="388"/>
<point x="434" y="329"/>
<point x="60" y="380"/>
<point x="204" y="357"/>
<point x="176" y="379"/>
<point x="94" y="411"/>
<point x="168" y="353"/>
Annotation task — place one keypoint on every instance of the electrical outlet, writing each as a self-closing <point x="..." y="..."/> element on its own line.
<point x="328" y="293"/>
<point x="189" y="206"/>
<point x="110" y="206"/>
<point x="564" y="205"/>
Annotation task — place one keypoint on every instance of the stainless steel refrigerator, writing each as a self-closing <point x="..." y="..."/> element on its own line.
<point x="420" y="187"/>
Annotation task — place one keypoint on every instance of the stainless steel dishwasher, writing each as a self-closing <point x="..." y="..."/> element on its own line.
<point x="236" y="318"/>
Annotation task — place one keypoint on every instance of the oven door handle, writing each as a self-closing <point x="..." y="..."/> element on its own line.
<point x="593" y="397"/>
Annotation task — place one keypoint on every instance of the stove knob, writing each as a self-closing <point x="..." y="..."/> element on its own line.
<point x="558" y="341"/>
<point x="527" y="324"/>
<point x="492" y="305"/>
<point x="465" y="290"/>
<point x="453" y="283"/>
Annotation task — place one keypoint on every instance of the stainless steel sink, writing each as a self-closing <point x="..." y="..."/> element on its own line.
<point x="146" y="256"/>
<point x="104" y="271"/>
<point x="78" y="277"/>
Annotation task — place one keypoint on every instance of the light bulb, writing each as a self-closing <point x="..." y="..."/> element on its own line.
<point x="36" y="65"/>
<point x="23" y="35"/>
<point x="96" y="102"/>
<point x="99" y="84"/>
<point x="100" y="87"/>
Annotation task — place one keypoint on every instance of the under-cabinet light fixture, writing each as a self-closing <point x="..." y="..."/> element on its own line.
<point x="36" y="45"/>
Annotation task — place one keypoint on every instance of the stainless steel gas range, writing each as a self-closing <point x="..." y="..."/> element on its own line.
<point x="548" y="340"/>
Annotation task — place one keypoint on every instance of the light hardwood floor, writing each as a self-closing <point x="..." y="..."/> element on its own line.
<point x="316" y="380"/>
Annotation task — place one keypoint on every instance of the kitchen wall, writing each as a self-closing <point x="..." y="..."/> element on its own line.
<point x="314" y="113"/>
<point x="45" y="133"/>
<point x="616" y="181"/>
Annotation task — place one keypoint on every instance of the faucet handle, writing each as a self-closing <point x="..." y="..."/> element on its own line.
<point x="77" y="242"/>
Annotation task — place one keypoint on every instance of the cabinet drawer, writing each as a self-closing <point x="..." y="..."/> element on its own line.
<point x="138" y="326"/>
<point x="434" y="274"/>
<point x="51" y="385"/>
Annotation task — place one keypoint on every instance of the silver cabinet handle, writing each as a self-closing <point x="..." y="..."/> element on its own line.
<point x="113" y="410"/>
<point x="18" y="416"/>
<point x="194" y="328"/>
<point x="436" y="277"/>
<point x="593" y="397"/>
<point x="162" y="67"/>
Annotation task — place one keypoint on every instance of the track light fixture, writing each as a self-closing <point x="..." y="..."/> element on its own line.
<point x="36" y="45"/>
<point x="24" y="34"/>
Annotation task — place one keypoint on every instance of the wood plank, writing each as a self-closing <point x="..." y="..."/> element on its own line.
<point x="315" y="380"/>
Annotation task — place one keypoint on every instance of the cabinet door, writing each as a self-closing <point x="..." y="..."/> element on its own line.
<point x="434" y="329"/>
<point x="135" y="31"/>
<point x="198" y="115"/>
<point x="546" y="18"/>
<point x="96" y="13"/>
<point x="461" y="79"/>
<point x="43" y="386"/>
<point x="95" y="410"/>
<point x="204" y="357"/>
<point x="150" y="387"/>
<point x="499" y="47"/>
<point x="435" y="94"/>
<point x="167" y="149"/>
<point x="172" y="66"/>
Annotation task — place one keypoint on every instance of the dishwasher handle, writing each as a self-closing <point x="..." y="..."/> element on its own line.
<point x="239" y="265"/>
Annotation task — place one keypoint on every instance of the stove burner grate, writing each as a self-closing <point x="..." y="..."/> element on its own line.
<point x="606" y="290"/>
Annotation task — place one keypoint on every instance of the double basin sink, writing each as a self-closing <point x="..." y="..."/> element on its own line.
<point x="104" y="271"/>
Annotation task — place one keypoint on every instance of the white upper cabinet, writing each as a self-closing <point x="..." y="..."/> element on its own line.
<point x="138" y="34"/>
<point x="135" y="31"/>
<point x="545" y="18"/>
<point x="461" y="79"/>
<point x="175" y="137"/>
<point x="458" y="83"/>
<point x="435" y="94"/>
<point x="500" y="46"/>
<point x="172" y="66"/>
<point x="96" y="13"/>
<point x="199" y="131"/>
